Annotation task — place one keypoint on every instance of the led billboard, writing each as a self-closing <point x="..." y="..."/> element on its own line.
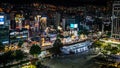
<point x="73" y="25"/>
<point x="1" y="20"/>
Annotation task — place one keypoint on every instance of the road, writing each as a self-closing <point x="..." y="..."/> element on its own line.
<point x="72" y="61"/>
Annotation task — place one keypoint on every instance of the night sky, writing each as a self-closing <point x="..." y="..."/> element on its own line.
<point x="59" y="2"/>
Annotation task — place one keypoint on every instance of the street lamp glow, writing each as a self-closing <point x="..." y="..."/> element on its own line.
<point x="38" y="16"/>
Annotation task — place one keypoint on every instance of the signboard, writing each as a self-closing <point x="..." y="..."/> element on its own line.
<point x="1" y="20"/>
<point x="73" y="25"/>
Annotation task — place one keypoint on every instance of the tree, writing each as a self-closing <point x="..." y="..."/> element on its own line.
<point x="114" y="50"/>
<point x="109" y="34"/>
<point x="60" y="36"/>
<point x="35" y="50"/>
<point x="18" y="54"/>
<point x="56" y="47"/>
<point x="6" y="57"/>
<point x="1" y="46"/>
<point x="97" y="44"/>
<point x="20" y="43"/>
<point x="10" y="56"/>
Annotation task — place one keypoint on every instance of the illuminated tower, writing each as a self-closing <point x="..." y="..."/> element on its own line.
<point x="19" y="18"/>
<point x="115" y="32"/>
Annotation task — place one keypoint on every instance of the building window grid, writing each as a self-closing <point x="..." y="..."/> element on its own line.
<point x="116" y="21"/>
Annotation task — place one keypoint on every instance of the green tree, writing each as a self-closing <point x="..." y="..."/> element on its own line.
<point x="10" y="56"/>
<point x="18" y="54"/>
<point x="109" y="34"/>
<point x="114" y="50"/>
<point x="6" y="57"/>
<point x="20" y="43"/>
<point x="56" y="47"/>
<point x="97" y="44"/>
<point x="1" y="46"/>
<point x="60" y="36"/>
<point x="35" y="50"/>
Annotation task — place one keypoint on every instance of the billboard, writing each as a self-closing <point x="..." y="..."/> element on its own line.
<point x="2" y="20"/>
<point x="73" y="25"/>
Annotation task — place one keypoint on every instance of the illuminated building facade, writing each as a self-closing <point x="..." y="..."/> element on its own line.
<point x="115" y="32"/>
<point x="4" y="29"/>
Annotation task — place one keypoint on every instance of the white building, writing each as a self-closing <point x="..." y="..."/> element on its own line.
<point x="115" y="32"/>
<point x="76" y="48"/>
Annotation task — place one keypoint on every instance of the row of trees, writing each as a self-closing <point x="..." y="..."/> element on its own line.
<point x="20" y="43"/>
<point x="10" y="56"/>
<point x="35" y="50"/>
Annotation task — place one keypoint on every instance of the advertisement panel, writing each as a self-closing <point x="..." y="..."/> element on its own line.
<point x="1" y="20"/>
<point x="73" y="25"/>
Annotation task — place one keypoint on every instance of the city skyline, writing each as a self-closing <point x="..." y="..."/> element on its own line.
<point x="59" y="34"/>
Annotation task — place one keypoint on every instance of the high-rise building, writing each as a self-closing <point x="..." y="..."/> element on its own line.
<point x="57" y="19"/>
<point x="115" y="32"/>
<point x="4" y="29"/>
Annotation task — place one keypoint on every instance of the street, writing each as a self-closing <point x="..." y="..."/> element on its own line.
<point x="72" y="61"/>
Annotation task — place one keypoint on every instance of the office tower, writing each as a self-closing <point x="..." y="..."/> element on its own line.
<point x="115" y="32"/>
<point x="4" y="29"/>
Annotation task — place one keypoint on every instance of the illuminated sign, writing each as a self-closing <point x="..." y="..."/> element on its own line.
<point x="73" y="25"/>
<point x="1" y="20"/>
